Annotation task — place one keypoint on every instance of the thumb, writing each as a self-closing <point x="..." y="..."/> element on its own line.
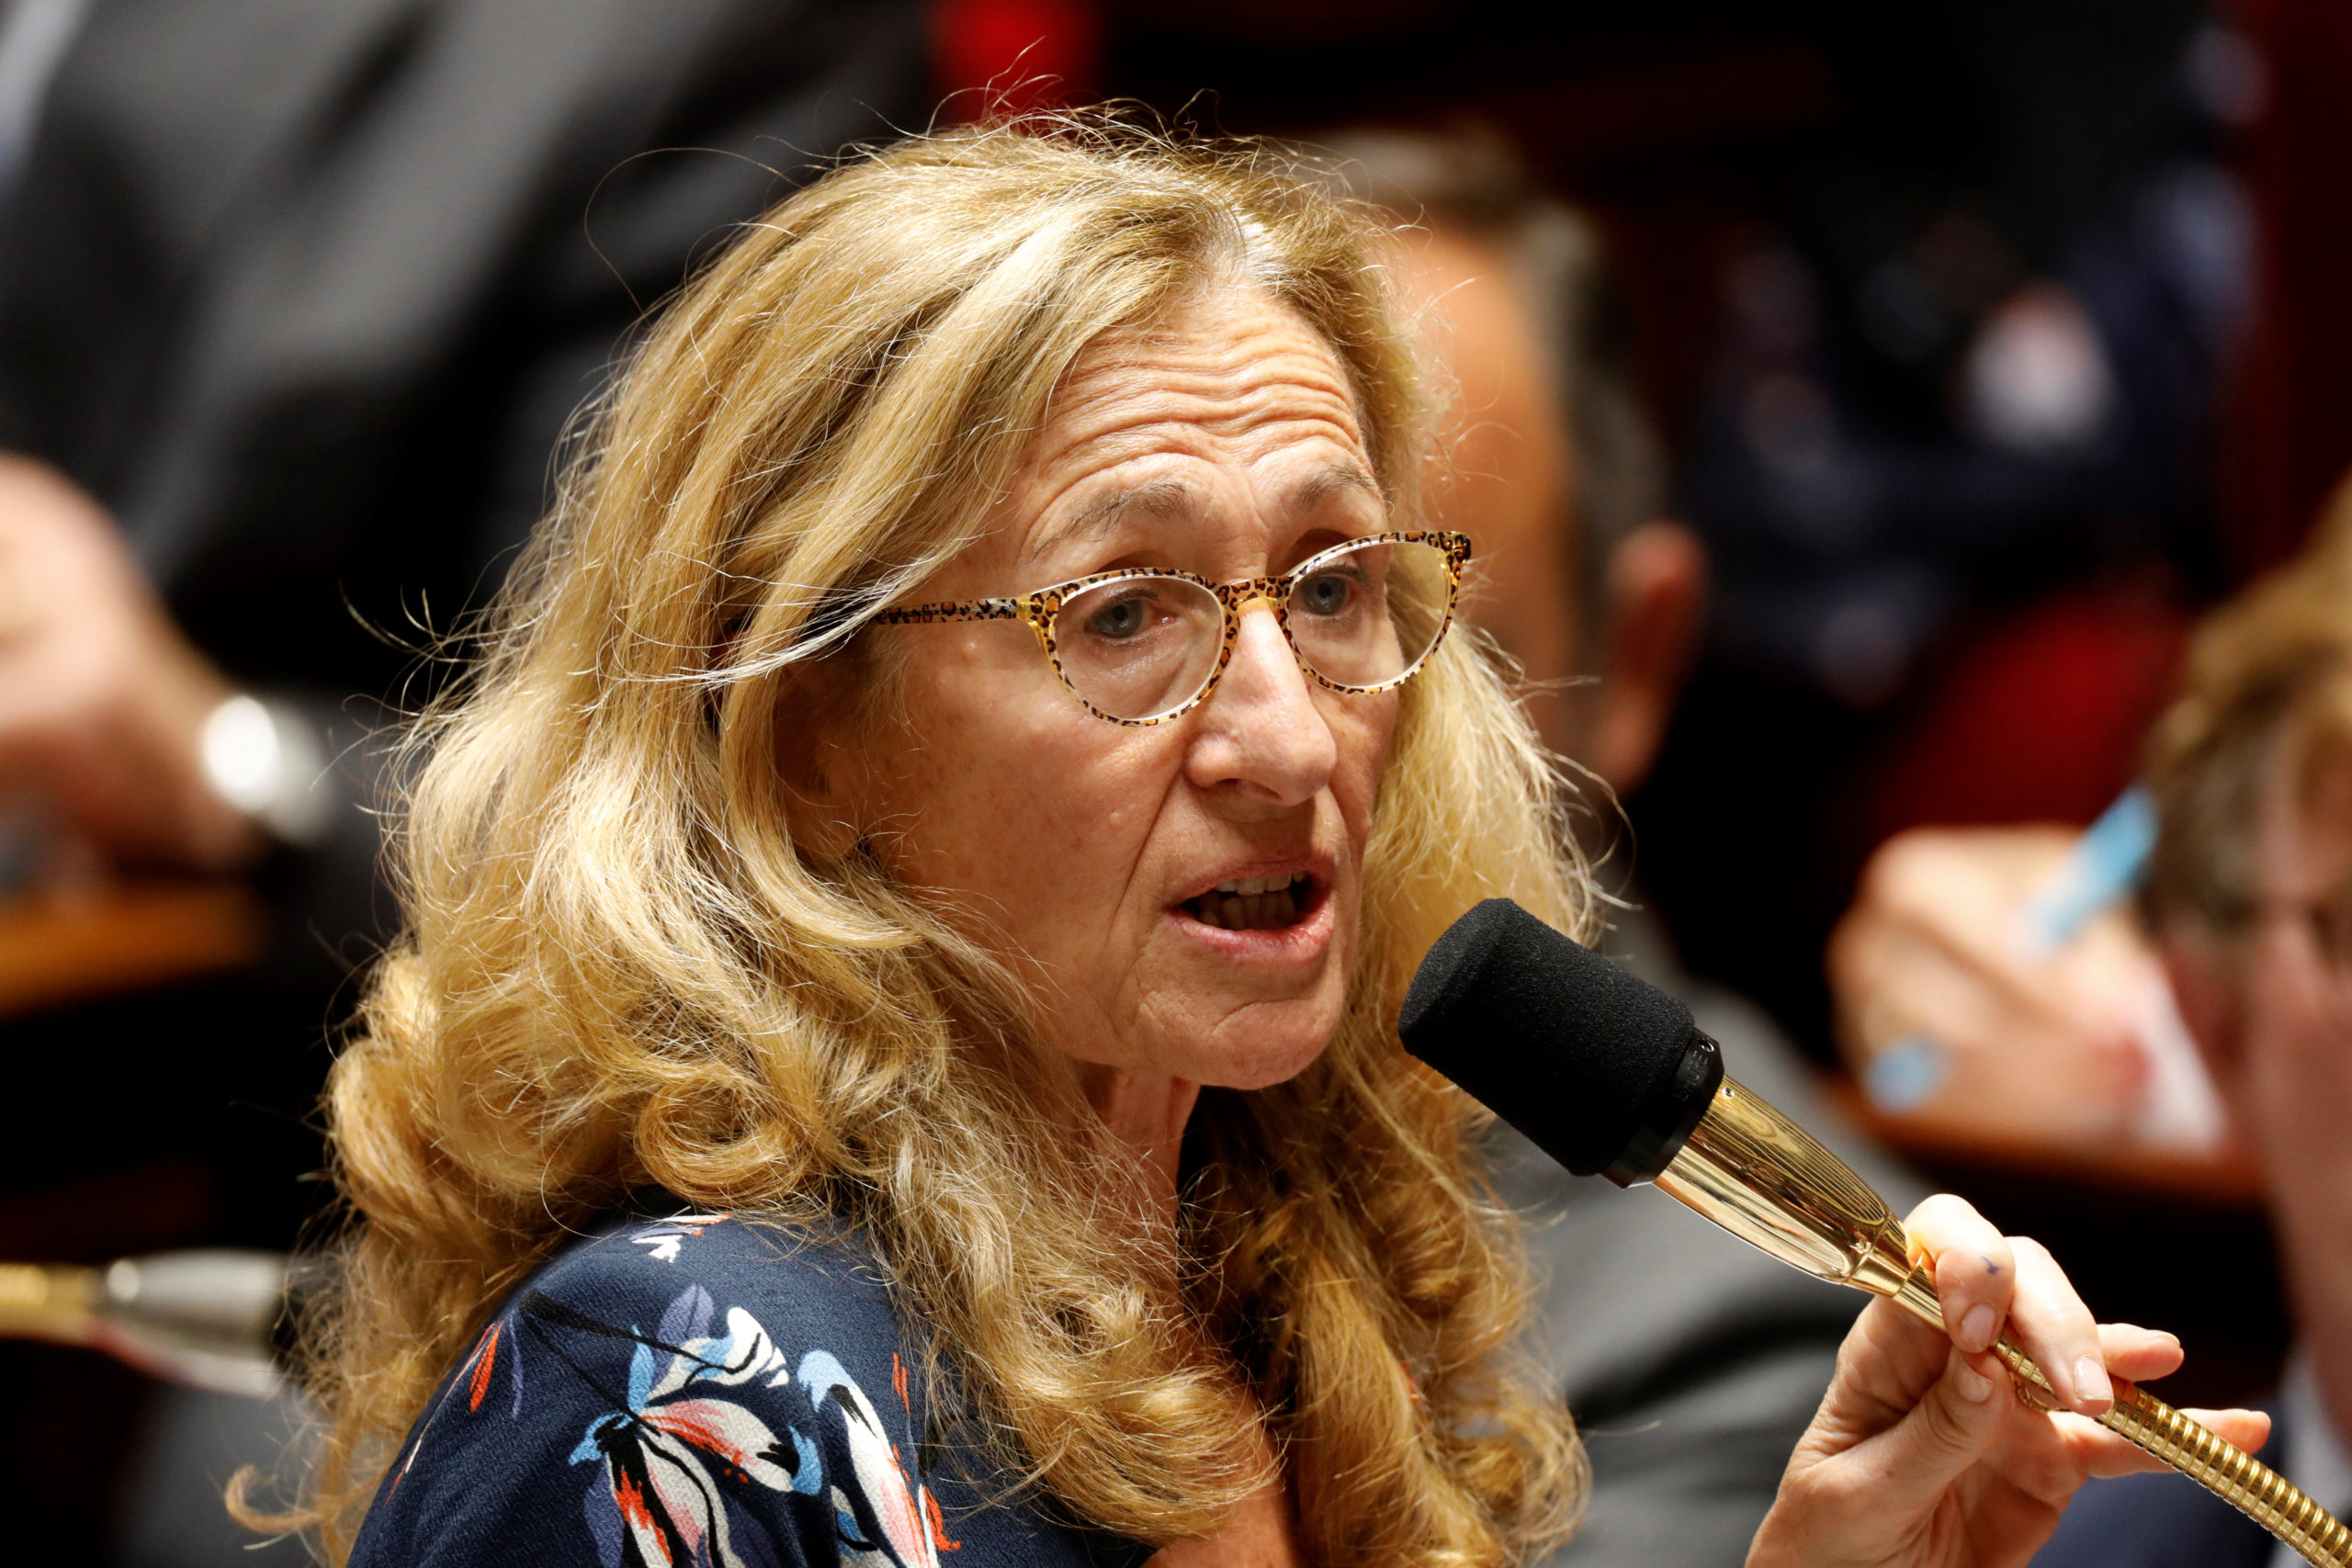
<point x="1950" y="1429"/>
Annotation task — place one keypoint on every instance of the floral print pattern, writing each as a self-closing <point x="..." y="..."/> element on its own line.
<point x="705" y="1430"/>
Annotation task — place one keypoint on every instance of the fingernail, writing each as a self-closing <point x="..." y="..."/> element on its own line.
<point x="2091" y="1386"/>
<point x="1973" y="1385"/>
<point x="1976" y="1328"/>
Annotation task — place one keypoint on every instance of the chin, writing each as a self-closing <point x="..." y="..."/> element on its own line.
<point x="1264" y="1062"/>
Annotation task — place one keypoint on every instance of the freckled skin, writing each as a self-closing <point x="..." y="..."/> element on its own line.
<point x="1065" y="840"/>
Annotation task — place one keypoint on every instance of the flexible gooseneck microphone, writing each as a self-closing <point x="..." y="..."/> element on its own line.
<point x="1610" y="1076"/>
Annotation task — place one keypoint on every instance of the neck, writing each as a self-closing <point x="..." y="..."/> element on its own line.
<point x="1145" y="1112"/>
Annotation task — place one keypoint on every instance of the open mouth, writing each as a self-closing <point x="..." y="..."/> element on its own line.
<point x="1254" y="903"/>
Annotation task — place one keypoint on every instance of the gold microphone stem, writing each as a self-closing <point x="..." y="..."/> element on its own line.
<point x="1761" y="1177"/>
<point x="48" y="1301"/>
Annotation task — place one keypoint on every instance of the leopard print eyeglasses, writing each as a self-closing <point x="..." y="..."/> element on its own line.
<point x="1143" y="646"/>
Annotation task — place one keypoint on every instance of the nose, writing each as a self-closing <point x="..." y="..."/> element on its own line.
<point x="1261" y="737"/>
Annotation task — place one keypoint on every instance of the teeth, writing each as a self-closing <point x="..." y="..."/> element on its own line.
<point x="1251" y="903"/>
<point x="1250" y="886"/>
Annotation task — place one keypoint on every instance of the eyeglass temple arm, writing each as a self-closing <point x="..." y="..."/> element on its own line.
<point x="959" y="610"/>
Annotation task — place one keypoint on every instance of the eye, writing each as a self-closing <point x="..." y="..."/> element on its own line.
<point x="1123" y="618"/>
<point x="1327" y="592"/>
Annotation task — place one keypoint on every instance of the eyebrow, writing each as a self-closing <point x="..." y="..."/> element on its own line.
<point x="1166" y="500"/>
<point x="1326" y="482"/>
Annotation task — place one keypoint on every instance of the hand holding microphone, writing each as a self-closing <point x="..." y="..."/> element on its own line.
<point x="1918" y="1455"/>
<point x="1927" y="1450"/>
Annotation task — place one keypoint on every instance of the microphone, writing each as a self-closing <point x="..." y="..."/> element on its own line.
<point x="1610" y="1076"/>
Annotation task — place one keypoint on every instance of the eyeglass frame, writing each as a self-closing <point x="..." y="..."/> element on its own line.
<point x="1037" y="610"/>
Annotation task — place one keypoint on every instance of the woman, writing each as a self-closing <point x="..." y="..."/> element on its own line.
<point x="892" y="1060"/>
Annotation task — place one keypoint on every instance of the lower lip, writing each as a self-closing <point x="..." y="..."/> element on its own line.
<point x="1301" y="941"/>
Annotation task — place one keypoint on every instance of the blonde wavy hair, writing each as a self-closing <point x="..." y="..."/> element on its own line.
<point x="631" y="960"/>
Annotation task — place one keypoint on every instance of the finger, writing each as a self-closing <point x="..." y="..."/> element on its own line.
<point x="2107" y="1454"/>
<point x="2057" y="1330"/>
<point x="1975" y="1268"/>
<point x="2138" y="1354"/>
<point x="1956" y="1422"/>
<point x="1886" y="1367"/>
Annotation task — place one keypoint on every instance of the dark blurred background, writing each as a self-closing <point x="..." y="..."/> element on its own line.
<point x="1990" y="342"/>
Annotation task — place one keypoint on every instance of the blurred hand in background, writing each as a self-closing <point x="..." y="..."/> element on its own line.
<point x="103" y="700"/>
<point x="1935" y="961"/>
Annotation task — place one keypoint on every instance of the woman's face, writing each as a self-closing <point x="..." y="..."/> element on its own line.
<point x="1224" y="441"/>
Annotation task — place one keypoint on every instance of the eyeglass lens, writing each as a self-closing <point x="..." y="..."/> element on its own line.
<point x="1140" y="646"/>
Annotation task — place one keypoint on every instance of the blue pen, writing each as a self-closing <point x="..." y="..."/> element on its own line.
<point x="2103" y="867"/>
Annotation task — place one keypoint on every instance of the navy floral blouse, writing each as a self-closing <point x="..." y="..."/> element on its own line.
<point x="700" y="1391"/>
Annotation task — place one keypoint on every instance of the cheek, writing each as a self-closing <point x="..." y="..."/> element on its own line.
<point x="1027" y="814"/>
<point x="1362" y="729"/>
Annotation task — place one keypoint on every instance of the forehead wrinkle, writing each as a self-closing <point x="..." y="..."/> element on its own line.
<point x="1167" y="390"/>
<point x="1157" y="431"/>
<point x="1226" y="375"/>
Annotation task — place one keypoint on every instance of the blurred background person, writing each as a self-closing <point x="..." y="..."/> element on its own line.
<point x="295" y="304"/>
<point x="2248" y="898"/>
<point x="1691" y="1361"/>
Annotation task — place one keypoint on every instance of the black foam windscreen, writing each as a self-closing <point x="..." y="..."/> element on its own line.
<point x="1584" y="1058"/>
